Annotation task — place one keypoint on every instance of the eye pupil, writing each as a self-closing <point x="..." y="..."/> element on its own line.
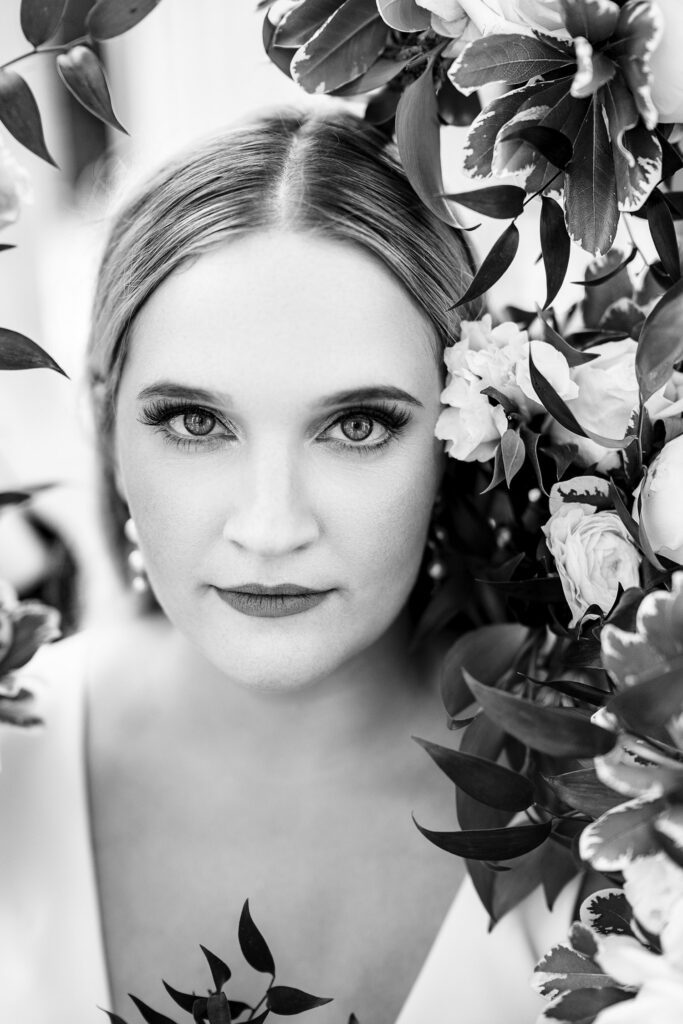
<point x="357" y="428"/>
<point x="199" y="423"/>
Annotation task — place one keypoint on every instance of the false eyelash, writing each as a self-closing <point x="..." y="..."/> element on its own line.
<point x="161" y="410"/>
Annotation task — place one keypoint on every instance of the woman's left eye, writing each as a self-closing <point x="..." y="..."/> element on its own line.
<point x="364" y="430"/>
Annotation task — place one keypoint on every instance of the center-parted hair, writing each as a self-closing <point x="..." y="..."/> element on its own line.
<point x="333" y="176"/>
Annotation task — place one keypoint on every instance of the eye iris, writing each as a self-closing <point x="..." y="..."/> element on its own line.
<point x="199" y="423"/>
<point x="357" y="428"/>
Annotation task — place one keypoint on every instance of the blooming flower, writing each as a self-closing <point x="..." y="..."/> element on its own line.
<point x="659" y="504"/>
<point x="665" y="62"/>
<point x="594" y="555"/>
<point x="471" y="426"/>
<point x="482" y="17"/>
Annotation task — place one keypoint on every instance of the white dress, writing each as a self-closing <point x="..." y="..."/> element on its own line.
<point x="52" y="960"/>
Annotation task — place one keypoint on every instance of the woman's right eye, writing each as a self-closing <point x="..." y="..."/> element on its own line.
<point x="186" y="426"/>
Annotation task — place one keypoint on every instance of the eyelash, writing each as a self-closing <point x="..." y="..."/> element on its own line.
<point x="160" y="412"/>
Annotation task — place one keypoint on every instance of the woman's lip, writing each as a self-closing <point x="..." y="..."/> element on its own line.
<point x="273" y="588"/>
<point x="271" y="605"/>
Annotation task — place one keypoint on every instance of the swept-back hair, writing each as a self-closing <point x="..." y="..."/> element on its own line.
<point x="333" y="176"/>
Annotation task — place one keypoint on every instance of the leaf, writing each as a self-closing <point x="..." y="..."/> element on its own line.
<point x="608" y="912"/>
<point x="278" y="55"/>
<point x="565" y="970"/>
<point x="18" y="712"/>
<point x="560" y="732"/>
<point x="113" y="1017"/>
<point x="287" y="1001"/>
<point x="184" y="1000"/>
<point x="237" y="1008"/>
<point x="109" y="18"/>
<point x="592" y="282"/>
<point x="505" y="57"/>
<point x="84" y="77"/>
<point x="650" y="704"/>
<point x="555" y="246"/>
<point x="596" y="22"/>
<point x="668" y="828"/>
<point x="343" y="48"/>
<point x="404" y="15"/>
<point x="512" y="453"/>
<point x="573" y="355"/>
<point x="418" y="136"/>
<point x="488" y="653"/>
<point x="254" y="947"/>
<point x="660" y="345"/>
<point x="623" y="513"/>
<point x="382" y="72"/>
<point x="560" y="410"/>
<point x="148" y="1014"/>
<point x="637" y="152"/>
<point x="583" y="790"/>
<point x="220" y="972"/>
<point x="303" y="21"/>
<point x="218" y="1009"/>
<point x="17" y="352"/>
<point x="40" y="19"/>
<point x="498" y="201"/>
<point x="489" y="843"/>
<point x="553" y="145"/>
<point x="486" y="781"/>
<point x="625" y="832"/>
<point x="481" y="138"/>
<point x="583" y="1005"/>
<point x="20" y="115"/>
<point x="531" y="439"/>
<point x="591" y="207"/>
<point x="494" y="265"/>
<point x="663" y="233"/>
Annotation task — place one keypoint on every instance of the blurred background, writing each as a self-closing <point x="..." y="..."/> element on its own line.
<point x="185" y="70"/>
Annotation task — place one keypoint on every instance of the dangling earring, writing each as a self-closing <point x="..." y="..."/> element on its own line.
<point x="436" y="546"/>
<point x="138" y="581"/>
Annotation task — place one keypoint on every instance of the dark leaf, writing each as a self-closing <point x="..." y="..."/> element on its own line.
<point x="455" y="108"/>
<point x="573" y="355"/>
<point x="381" y="72"/>
<point x="500" y="201"/>
<point x="84" y="77"/>
<point x="481" y="138"/>
<point x="20" y="115"/>
<point x="583" y="791"/>
<point x="404" y="15"/>
<point x="663" y="233"/>
<point x="558" y="867"/>
<point x="498" y="474"/>
<point x="109" y="18"/>
<point x="557" y="407"/>
<point x="237" y="1008"/>
<point x="254" y="947"/>
<point x="278" y="55"/>
<point x="489" y="843"/>
<point x="560" y="732"/>
<point x="555" y="245"/>
<point x="113" y="1017"/>
<point x="650" y="704"/>
<point x="382" y="107"/>
<point x="342" y="49"/>
<point x="148" y="1014"/>
<point x="40" y="19"/>
<point x="220" y="972"/>
<point x="576" y="689"/>
<point x="565" y="970"/>
<point x="486" y="781"/>
<point x="594" y="22"/>
<point x="13" y="497"/>
<point x="531" y="439"/>
<point x="609" y="913"/>
<point x="17" y="352"/>
<point x="553" y="145"/>
<point x="418" y="135"/>
<point x="505" y="58"/>
<point x="493" y="267"/>
<point x="487" y="653"/>
<point x="260" y="1018"/>
<point x="512" y="453"/>
<point x="184" y="1000"/>
<point x="660" y="345"/>
<point x="623" y="513"/>
<point x="287" y="1001"/>
<point x="299" y="24"/>
<point x="218" y="1009"/>
<point x="591" y="208"/>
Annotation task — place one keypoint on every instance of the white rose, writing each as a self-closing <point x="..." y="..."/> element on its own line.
<point x="653" y="886"/>
<point x="471" y="425"/>
<point x="608" y="394"/>
<point x="660" y="984"/>
<point x="554" y="367"/>
<point x="279" y="10"/>
<point x="594" y="554"/>
<point x="514" y="15"/>
<point x="661" y="495"/>
<point x="665" y="62"/>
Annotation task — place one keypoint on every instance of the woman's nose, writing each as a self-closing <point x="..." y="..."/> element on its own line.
<point x="270" y="512"/>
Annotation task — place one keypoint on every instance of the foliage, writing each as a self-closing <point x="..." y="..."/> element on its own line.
<point x="216" y="1007"/>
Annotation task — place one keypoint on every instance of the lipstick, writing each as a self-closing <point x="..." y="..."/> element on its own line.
<point x="271" y="602"/>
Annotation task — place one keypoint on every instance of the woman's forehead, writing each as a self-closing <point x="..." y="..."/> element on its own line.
<point x="285" y="311"/>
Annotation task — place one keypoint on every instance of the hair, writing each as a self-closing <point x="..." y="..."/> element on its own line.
<point x="335" y="176"/>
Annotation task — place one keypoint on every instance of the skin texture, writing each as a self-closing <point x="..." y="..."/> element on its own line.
<point x="272" y="325"/>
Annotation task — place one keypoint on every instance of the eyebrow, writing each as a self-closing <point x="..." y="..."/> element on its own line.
<point x="171" y="389"/>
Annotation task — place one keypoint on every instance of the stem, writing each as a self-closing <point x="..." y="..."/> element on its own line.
<point x="261" y="1001"/>
<point x="47" y="49"/>
<point x="543" y="187"/>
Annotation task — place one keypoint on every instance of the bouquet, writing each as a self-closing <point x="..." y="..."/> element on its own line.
<point x="560" y="536"/>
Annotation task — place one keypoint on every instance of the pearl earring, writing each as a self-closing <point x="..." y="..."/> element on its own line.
<point x="138" y="581"/>
<point x="436" y="564"/>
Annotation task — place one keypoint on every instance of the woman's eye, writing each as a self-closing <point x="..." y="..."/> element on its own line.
<point x="198" y="423"/>
<point x="356" y="428"/>
<point x="361" y="430"/>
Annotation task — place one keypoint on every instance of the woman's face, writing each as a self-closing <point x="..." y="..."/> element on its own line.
<point x="275" y="427"/>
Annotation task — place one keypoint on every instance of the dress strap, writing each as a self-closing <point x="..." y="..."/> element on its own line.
<point x="51" y="949"/>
